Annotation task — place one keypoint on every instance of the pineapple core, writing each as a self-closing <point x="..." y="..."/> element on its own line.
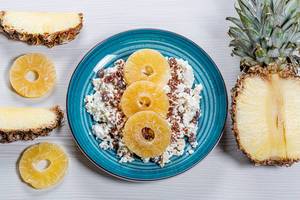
<point x="268" y="118"/>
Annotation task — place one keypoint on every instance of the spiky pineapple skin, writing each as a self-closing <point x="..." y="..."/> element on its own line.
<point x="49" y="40"/>
<point x="8" y="136"/>
<point x="287" y="73"/>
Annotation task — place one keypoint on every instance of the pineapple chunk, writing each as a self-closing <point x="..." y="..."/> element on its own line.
<point x="27" y="123"/>
<point x="46" y="28"/>
<point x="266" y="117"/>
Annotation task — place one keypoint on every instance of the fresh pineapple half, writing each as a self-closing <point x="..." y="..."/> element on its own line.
<point x="27" y="123"/>
<point x="265" y="100"/>
<point x="41" y="28"/>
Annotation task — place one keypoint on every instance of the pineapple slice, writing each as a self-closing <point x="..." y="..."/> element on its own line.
<point x="266" y="116"/>
<point x="52" y="173"/>
<point x="40" y="66"/>
<point x="147" y="134"/>
<point x="27" y="123"/>
<point x="147" y="64"/>
<point x="41" y="28"/>
<point x="144" y="95"/>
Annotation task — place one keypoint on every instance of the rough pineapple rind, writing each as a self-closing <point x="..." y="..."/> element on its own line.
<point x="48" y="39"/>
<point x="288" y="73"/>
<point x="7" y="136"/>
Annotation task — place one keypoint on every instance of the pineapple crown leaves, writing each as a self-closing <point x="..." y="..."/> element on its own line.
<point x="267" y="31"/>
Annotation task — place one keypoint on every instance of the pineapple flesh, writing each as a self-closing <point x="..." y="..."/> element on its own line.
<point x="41" y="28"/>
<point x="266" y="119"/>
<point x="265" y="107"/>
<point x="291" y="90"/>
<point x="147" y="134"/>
<point x="41" y="66"/>
<point x="148" y="65"/>
<point x="27" y="123"/>
<point x="52" y="173"/>
<point x="144" y="95"/>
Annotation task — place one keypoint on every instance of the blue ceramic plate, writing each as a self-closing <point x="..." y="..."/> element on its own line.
<point x="213" y="104"/>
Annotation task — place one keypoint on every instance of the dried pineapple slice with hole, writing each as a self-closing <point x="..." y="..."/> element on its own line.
<point x="147" y="134"/>
<point x="147" y="64"/>
<point x="43" y="177"/>
<point x="32" y="75"/>
<point x="144" y="95"/>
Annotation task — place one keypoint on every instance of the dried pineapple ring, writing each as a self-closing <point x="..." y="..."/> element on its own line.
<point x="147" y="64"/>
<point x="144" y="95"/>
<point x="40" y="66"/>
<point x="147" y="134"/>
<point x="52" y="174"/>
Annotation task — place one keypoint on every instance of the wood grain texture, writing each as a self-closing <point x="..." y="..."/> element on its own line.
<point x="224" y="174"/>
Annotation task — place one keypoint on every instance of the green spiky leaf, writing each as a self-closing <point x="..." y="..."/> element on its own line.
<point x="267" y="31"/>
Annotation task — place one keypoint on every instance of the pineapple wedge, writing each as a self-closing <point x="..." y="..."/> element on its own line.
<point x="27" y="123"/>
<point x="41" y="28"/>
<point x="266" y="116"/>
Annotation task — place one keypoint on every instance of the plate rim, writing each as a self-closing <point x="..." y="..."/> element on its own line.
<point x="152" y="179"/>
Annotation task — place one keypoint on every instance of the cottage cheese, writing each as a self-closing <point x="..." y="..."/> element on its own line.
<point x="103" y="105"/>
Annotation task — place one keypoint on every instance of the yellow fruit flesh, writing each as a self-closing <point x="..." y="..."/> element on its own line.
<point x="144" y="95"/>
<point x="52" y="174"/>
<point x="251" y="111"/>
<point x="147" y="134"/>
<point x="37" y="64"/>
<point x="267" y="117"/>
<point x="147" y="64"/>
<point x="40" y="22"/>
<point x="18" y="119"/>
<point x="290" y="90"/>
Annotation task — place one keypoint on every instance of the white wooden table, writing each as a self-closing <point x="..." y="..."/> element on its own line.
<point x="224" y="174"/>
